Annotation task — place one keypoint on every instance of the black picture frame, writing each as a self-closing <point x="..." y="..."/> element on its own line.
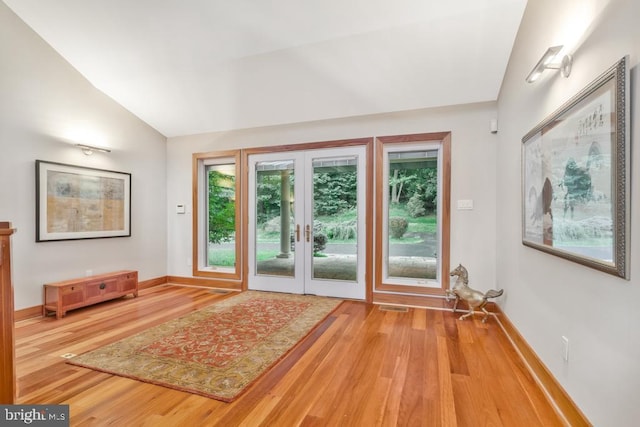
<point x="77" y="202"/>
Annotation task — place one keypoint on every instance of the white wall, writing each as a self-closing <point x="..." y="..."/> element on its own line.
<point x="473" y="173"/>
<point x="44" y="101"/>
<point x="45" y="107"/>
<point x="546" y="296"/>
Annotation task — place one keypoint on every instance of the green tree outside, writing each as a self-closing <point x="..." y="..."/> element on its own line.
<point x="222" y="207"/>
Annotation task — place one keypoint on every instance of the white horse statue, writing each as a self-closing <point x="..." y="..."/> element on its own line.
<point x="462" y="291"/>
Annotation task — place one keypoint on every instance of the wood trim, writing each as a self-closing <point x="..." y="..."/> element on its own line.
<point x="244" y="205"/>
<point x="150" y="283"/>
<point x="28" y="313"/>
<point x="196" y="232"/>
<point x="422" y="301"/>
<point x="369" y="213"/>
<point x="309" y="146"/>
<point x="556" y="394"/>
<point x="411" y="300"/>
<point x="409" y="289"/>
<point x="7" y="321"/>
<point x="445" y="255"/>
<point x="414" y="137"/>
<point x="205" y="283"/>
<point x="379" y="215"/>
<point x="195" y="240"/>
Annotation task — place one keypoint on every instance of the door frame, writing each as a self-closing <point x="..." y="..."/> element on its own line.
<point x="368" y="225"/>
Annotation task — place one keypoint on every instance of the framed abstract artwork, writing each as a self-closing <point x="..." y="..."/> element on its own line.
<point x="575" y="177"/>
<point x="74" y="202"/>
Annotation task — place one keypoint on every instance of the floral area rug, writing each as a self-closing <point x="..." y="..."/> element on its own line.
<point x="217" y="351"/>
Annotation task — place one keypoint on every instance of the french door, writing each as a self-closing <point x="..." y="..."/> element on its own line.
<point x="307" y="222"/>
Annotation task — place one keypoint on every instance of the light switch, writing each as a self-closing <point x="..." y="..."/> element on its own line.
<point x="180" y="209"/>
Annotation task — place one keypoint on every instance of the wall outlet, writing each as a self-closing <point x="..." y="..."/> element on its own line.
<point x="88" y="273"/>
<point x="188" y="262"/>
<point x="565" y="348"/>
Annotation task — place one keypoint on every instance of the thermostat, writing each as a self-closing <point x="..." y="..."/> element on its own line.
<point x="180" y="209"/>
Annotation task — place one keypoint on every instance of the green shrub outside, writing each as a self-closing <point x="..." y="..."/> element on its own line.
<point x="397" y="227"/>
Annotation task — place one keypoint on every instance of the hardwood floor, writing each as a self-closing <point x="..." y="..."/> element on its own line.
<point x="363" y="366"/>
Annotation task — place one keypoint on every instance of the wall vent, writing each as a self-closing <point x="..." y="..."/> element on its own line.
<point x="395" y="308"/>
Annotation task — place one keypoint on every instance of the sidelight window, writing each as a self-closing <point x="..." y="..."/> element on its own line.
<point x="413" y="191"/>
<point x="216" y="216"/>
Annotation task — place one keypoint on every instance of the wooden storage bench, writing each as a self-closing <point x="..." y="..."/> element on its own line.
<point x="75" y="293"/>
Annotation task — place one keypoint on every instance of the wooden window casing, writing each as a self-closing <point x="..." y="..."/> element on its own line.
<point x="200" y="214"/>
<point x="444" y="201"/>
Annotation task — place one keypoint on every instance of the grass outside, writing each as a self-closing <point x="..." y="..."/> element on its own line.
<point x="224" y="257"/>
<point x="594" y="242"/>
<point x="422" y="224"/>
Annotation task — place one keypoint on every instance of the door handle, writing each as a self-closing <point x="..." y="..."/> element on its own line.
<point x="307" y="232"/>
<point x="297" y="232"/>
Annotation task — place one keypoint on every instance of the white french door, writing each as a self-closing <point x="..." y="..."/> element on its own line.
<point x="307" y="222"/>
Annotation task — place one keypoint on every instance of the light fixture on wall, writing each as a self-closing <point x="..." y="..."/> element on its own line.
<point x="89" y="149"/>
<point x="545" y="64"/>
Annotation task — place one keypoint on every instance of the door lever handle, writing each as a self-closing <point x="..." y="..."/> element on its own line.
<point x="297" y="232"/>
<point x="307" y="232"/>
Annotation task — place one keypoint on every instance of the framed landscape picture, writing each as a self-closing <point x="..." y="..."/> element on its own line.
<point x="74" y="202"/>
<point x="575" y="177"/>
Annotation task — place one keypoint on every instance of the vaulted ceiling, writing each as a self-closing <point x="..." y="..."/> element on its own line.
<point x="195" y="66"/>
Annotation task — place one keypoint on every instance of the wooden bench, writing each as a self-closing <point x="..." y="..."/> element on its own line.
<point x="60" y="297"/>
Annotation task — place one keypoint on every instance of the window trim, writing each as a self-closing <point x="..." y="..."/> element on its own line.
<point x="444" y="138"/>
<point x="199" y="229"/>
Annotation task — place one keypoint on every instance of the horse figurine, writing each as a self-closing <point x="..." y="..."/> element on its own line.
<point x="462" y="291"/>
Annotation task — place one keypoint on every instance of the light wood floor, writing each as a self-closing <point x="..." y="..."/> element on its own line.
<point x="362" y="366"/>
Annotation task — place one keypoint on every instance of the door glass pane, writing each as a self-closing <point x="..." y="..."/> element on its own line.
<point x="221" y="217"/>
<point x="412" y="215"/>
<point x="275" y="218"/>
<point x="335" y="224"/>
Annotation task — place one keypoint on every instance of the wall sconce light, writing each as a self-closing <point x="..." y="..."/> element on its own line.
<point x="89" y="149"/>
<point x="545" y="64"/>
